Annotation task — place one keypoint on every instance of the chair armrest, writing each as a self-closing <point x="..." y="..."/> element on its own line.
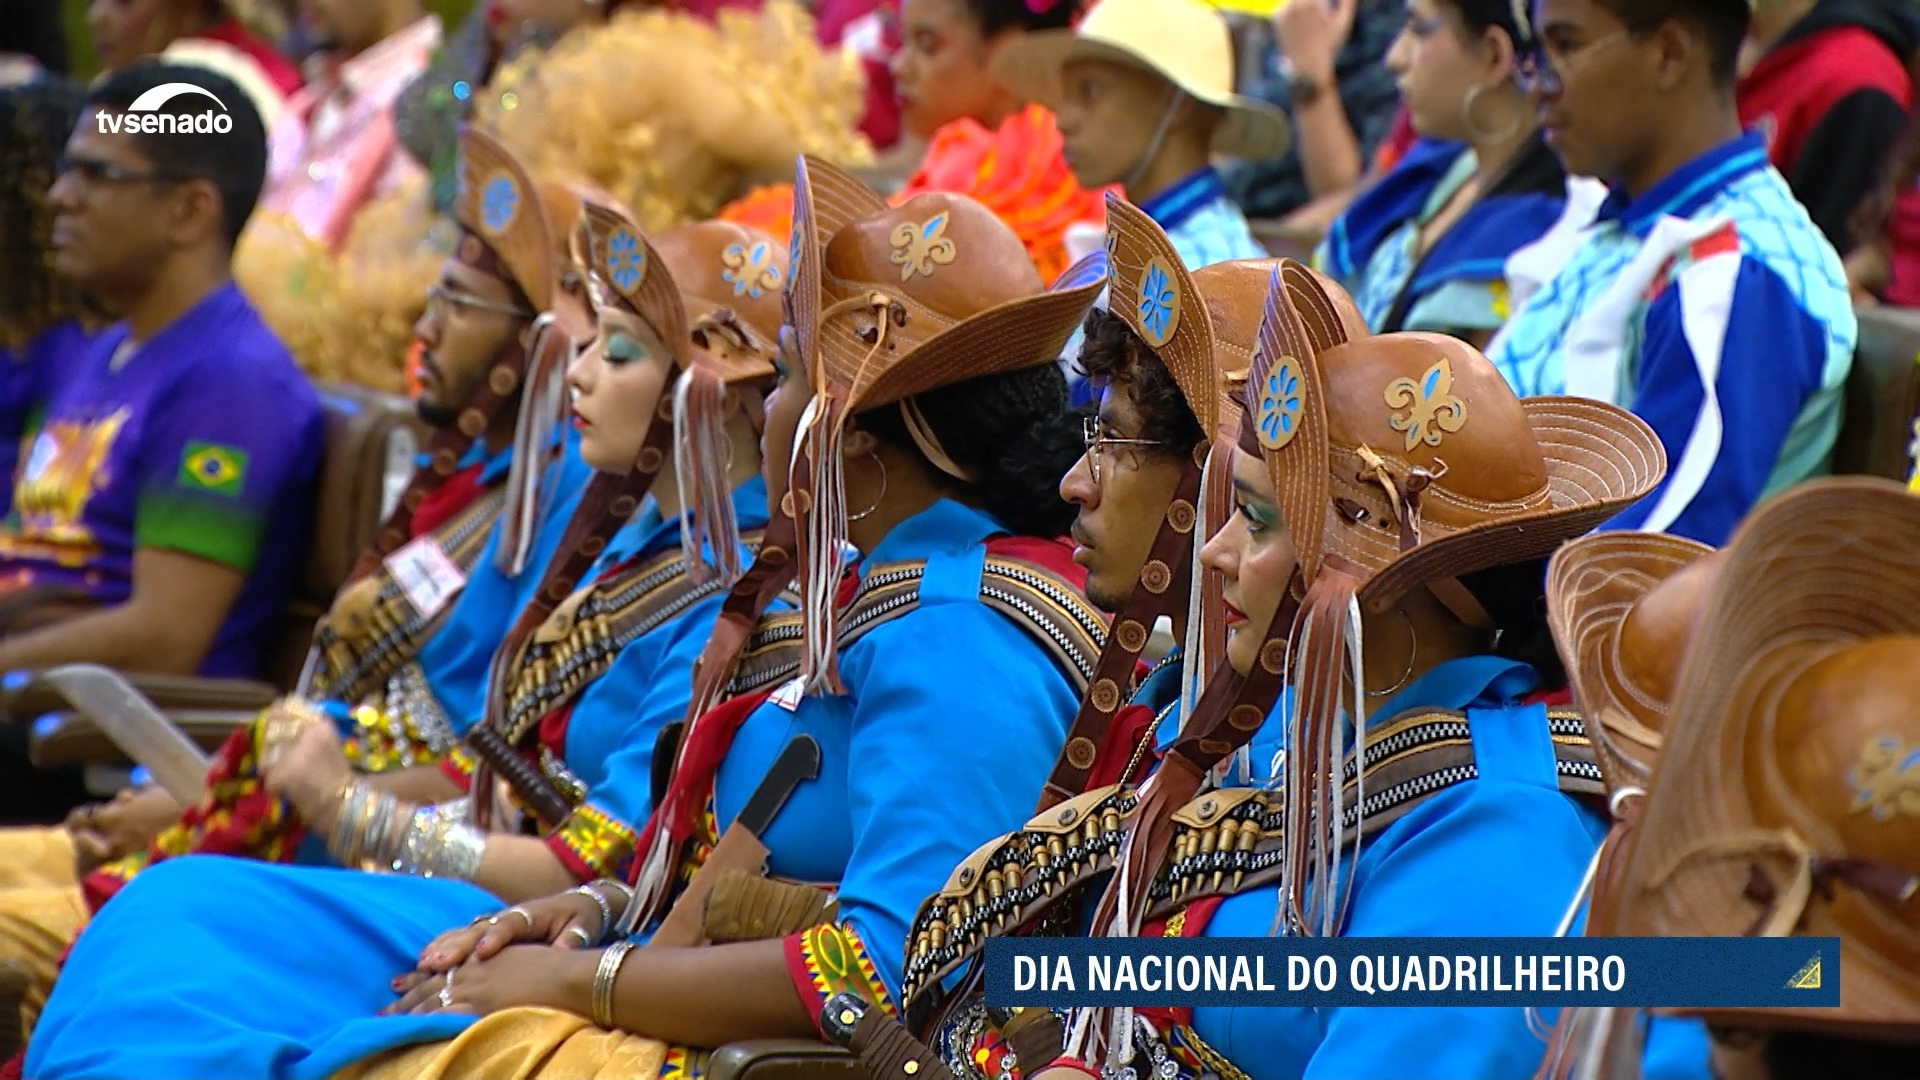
<point x="784" y="1059"/>
<point x="64" y="738"/>
<point x="32" y="698"/>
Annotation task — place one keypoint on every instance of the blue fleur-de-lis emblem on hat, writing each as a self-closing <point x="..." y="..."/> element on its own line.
<point x="750" y="270"/>
<point x="498" y="202"/>
<point x="1159" y="304"/>
<point x="1277" y="419"/>
<point x="626" y="261"/>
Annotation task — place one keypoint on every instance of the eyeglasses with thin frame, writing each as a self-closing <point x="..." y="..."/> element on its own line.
<point x="440" y="294"/>
<point x="1537" y="73"/>
<point x="1097" y="440"/>
<point x="95" y="171"/>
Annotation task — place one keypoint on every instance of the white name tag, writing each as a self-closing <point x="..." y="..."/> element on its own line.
<point x="789" y="695"/>
<point x="429" y="579"/>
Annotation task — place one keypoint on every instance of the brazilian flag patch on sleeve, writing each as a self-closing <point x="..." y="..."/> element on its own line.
<point x="206" y="466"/>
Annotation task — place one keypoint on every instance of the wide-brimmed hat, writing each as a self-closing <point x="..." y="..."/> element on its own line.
<point x="1623" y="606"/>
<point x="732" y="279"/>
<point x="1786" y="799"/>
<point x="961" y="298"/>
<point x="1185" y="41"/>
<point x="887" y="303"/>
<point x="1408" y="456"/>
<point x="625" y="271"/>
<point x="500" y="206"/>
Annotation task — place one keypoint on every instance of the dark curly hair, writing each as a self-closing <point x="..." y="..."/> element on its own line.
<point x="1515" y="596"/>
<point x="35" y="120"/>
<point x="995" y="16"/>
<point x="1112" y="352"/>
<point x="1014" y="430"/>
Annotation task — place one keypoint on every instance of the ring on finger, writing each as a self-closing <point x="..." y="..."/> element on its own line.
<point x="585" y="938"/>
<point x="522" y="912"/>
<point x="446" y="992"/>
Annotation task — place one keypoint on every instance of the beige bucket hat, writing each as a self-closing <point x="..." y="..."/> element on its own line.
<point x="1184" y="41"/>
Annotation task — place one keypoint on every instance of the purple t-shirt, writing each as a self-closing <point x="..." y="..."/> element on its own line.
<point x="207" y="442"/>
<point x="27" y="379"/>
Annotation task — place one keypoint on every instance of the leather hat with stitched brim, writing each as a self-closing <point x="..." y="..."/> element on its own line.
<point x="1787" y="798"/>
<point x="625" y="271"/>
<point x="961" y="297"/>
<point x="1623" y="607"/>
<point x="1185" y="42"/>
<point x="732" y="279"/>
<point x="1408" y="455"/>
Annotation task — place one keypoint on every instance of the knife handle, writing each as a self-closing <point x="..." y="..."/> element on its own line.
<point x="883" y="1045"/>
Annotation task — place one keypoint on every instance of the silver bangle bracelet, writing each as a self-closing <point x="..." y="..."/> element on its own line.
<point x="436" y="846"/>
<point x="606" y="912"/>
<point x="603" y="980"/>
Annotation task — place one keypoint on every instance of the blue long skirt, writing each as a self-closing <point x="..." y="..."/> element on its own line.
<point x="208" y="968"/>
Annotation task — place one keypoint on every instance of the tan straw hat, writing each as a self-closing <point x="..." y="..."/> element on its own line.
<point x="1408" y="457"/>
<point x="1184" y="41"/>
<point x="1623" y="607"/>
<point x="886" y="303"/>
<point x="1787" y="799"/>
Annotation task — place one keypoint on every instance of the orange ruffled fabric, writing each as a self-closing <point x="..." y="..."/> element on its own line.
<point x="1015" y="171"/>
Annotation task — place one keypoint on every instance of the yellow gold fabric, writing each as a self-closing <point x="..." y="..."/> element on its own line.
<point x="522" y="1044"/>
<point x="36" y="857"/>
<point x="36" y="924"/>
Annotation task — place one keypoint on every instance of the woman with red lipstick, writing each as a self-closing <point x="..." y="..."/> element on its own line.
<point x="916" y="425"/>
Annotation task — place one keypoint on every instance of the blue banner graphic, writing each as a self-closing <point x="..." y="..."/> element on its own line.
<point x="1388" y="972"/>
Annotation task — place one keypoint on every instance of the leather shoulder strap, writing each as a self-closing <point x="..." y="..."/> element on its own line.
<point x="1227" y="842"/>
<point x="585" y="635"/>
<point x="1037" y="598"/>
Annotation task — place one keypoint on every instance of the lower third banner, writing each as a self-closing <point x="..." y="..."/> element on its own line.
<point x="1676" y="973"/>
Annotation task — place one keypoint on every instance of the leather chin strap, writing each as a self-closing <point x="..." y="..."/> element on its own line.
<point x="608" y="503"/>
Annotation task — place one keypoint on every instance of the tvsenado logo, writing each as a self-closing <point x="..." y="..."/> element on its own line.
<point x="144" y="118"/>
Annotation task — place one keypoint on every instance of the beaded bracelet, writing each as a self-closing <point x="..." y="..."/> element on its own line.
<point x="603" y="979"/>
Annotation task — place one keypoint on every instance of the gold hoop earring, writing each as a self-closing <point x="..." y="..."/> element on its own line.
<point x="875" y="504"/>
<point x="1413" y="650"/>
<point x="1475" y="130"/>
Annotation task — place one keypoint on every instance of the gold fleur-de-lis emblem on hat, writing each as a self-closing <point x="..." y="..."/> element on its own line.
<point x="750" y="270"/>
<point x="1886" y="782"/>
<point x="1432" y="412"/>
<point x="918" y="248"/>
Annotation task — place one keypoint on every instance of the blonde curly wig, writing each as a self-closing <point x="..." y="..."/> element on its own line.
<point x="672" y="115"/>
<point x="346" y="318"/>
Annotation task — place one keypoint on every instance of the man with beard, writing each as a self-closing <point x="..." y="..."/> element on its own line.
<point x="334" y="149"/>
